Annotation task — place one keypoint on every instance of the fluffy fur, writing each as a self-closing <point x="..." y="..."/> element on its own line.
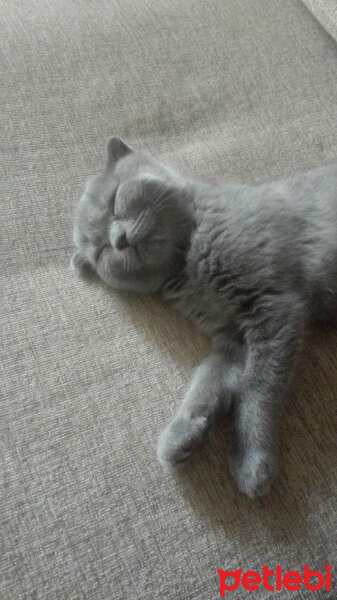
<point x="251" y="265"/>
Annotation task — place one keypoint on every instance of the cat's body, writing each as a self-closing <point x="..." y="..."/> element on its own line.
<point x="252" y="243"/>
<point x="251" y="265"/>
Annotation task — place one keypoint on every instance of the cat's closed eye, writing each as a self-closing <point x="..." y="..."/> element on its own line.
<point x="112" y="199"/>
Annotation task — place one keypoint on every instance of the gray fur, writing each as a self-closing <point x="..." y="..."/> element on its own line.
<point x="253" y="266"/>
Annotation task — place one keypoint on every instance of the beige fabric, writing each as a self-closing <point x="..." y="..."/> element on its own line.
<point x="326" y="12"/>
<point x="240" y="89"/>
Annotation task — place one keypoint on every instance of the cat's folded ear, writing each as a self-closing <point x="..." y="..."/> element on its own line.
<point x="116" y="149"/>
<point x="80" y="264"/>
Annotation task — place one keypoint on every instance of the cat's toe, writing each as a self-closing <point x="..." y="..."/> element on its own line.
<point x="179" y="440"/>
<point x="255" y="474"/>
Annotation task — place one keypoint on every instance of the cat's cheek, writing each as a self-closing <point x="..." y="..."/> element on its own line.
<point x="109" y="272"/>
<point x="105" y="275"/>
<point x="80" y="264"/>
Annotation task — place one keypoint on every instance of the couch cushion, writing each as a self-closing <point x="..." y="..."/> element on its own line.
<point x="242" y="89"/>
<point x="326" y="12"/>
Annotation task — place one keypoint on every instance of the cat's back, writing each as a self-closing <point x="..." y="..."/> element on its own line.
<point x="289" y="216"/>
<point x="254" y="240"/>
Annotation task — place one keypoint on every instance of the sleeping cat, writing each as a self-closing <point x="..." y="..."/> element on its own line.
<point x="251" y="265"/>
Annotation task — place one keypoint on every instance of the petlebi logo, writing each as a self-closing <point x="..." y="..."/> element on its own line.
<point x="275" y="580"/>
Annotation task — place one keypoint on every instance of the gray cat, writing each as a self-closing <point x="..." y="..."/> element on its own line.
<point x="251" y="265"/>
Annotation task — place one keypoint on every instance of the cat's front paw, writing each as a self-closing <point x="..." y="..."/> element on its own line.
<point x="255" y="473"/>
<point x="179" y="440"/>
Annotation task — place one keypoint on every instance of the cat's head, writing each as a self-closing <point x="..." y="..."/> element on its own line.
<point x="133" y="222"/>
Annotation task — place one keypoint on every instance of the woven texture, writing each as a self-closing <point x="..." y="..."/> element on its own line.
<point x="326" y="12"/>
<point x="242" y="89"/>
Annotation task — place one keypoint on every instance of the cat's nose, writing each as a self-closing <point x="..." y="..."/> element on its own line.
<point x="118" y="237"/>
<point x="121" y="241"/>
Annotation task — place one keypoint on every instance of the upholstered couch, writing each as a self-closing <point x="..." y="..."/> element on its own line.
<point x="238" y="89"/>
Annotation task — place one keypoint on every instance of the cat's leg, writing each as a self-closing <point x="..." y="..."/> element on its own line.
<point x="272" y="353"/>
<point x="211" y="388"/>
